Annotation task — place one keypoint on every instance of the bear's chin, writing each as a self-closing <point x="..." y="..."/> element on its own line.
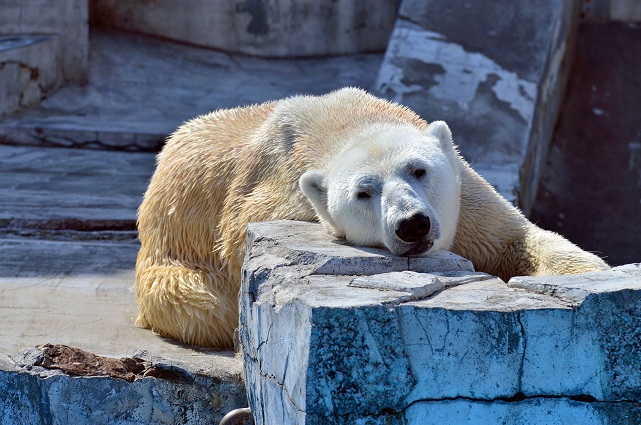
<point x="418" y="249"/>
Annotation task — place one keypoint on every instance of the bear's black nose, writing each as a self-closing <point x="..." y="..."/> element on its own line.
<point x="414" y="228"/>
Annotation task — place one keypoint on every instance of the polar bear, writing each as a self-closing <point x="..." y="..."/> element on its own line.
<point x="373" y="172"/>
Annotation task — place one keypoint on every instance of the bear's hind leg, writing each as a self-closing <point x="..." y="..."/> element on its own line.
<point x="198" y="307"/>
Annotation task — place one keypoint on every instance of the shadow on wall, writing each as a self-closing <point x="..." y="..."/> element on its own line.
<point x="591" y="188"/>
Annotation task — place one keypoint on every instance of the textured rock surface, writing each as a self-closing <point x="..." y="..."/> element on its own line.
<point x="386" y="344"/>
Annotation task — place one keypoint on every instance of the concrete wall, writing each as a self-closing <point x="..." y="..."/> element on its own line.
<point x="495" y="71"/>
<point x="66" y="19"/>
<point x="29" y="70"/>
<point x="280" y="28"/>
<point x="612" y="10"/>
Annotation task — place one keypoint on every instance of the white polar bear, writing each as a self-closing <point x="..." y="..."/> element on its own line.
<point x="372" y="171"/>
<point x="395" y="186"/>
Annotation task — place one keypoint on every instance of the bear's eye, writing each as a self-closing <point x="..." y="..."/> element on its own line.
<point x="363" y="195"/>
<point x="419" y="172"/>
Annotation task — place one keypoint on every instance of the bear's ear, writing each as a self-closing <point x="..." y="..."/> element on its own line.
<point x="443" y="134"/>
<point x="314" y="186"/>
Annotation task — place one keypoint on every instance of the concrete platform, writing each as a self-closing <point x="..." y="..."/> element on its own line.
<point x="67" y="257"/>
<point x="71" y="189"/>
<point x="494" y="71"/>
<point x="78" y="293"/>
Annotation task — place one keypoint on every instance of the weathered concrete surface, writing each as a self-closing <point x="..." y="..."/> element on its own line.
<point x="78" y="294"/>
<point x="322" y="345"/>
<point x="66" y="19"/>
<point x="141" y="89"/>
<point x="277" y="28"/>
<point x="74" y="189"/>
<point x="495" y="71"/>
<point x="590" y="190"/>
<point x="29" y="70"/>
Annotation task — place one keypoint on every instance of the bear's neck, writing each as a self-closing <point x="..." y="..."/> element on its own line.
<point x="488" y="225"/>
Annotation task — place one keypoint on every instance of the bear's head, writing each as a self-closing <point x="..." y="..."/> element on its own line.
<point x="394" y="186"/>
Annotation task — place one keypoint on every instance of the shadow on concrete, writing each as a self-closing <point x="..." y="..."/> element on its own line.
<point x="591" y="188"/>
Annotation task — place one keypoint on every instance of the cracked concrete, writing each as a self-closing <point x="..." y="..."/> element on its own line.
<point x="389" y="345"/>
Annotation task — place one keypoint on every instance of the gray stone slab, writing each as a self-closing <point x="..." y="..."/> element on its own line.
<point x="141" y="89"/>
<point x="71" y="188"/>
<point x="79" y="294"/>
<point x="548" y="411"/>
<point x="632" y="269"/>
<point x="290" y="240"/>
<point x="406" y="347"/>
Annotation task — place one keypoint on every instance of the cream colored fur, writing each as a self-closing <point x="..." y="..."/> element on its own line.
<point x="222" y="170"/>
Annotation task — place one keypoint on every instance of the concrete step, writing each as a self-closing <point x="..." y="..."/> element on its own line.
<point x="73" y="189"/>
<point x="358" y="343"/>
<point x="141" y="89"/>
<point x="78" y="294"/>
<point x="29" y="70"/>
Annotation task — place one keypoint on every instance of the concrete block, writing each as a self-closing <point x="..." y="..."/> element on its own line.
<point x="282" y="28"/>
<point x="495" y="71"/>
<point x="32" y="394"/>
<point x="632" y="269"/>
<point x="29" y="70"/>
<point x="399" y="346"/>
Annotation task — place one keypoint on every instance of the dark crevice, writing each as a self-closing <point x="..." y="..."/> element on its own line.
<point x="516" y="398"/>
<point x="68" y="224"/>
<point x="522" y="364"/>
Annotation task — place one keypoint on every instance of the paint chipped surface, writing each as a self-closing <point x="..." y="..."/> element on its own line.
<point x="460" y="73"/>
